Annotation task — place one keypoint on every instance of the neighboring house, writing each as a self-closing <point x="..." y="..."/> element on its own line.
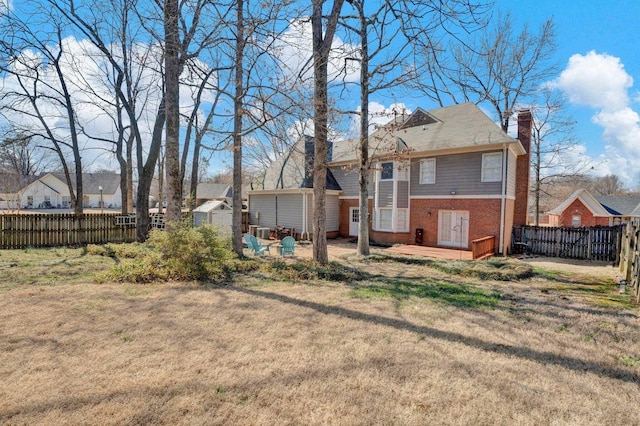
<point x="213" y="191"/>
<point x="583" y="209"/>
<point x="11" y="188"/>
<point x="50" y="190"/>
<point x="440" y="178"/>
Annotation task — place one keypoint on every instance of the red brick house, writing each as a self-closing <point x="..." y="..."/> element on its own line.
<point x="443" y="177"/>
<point x="583" y="209"/>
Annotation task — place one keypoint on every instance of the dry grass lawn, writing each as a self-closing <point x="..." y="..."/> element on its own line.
<point x="409" y="344"/>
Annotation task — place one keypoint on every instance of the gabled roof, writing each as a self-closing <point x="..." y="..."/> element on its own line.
<point x="212" y="205"/>
<point x="91" y="182"/>
<point x="460" y="128"/>
<point x="11" y="183"/>
<point x="294" y="169"/>
<point x="619" y="205"/>
<point x="587" y="200"/>
<point x="213" y="190"/>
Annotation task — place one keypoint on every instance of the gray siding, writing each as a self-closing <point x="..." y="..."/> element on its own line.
<point x="348" y="180"/>
<point x="403" y="195"/>
<point x="266" y="205"/>
<point x="385" y="196"/>
<point x="332" y="204"/>
<point x="290" y="210"/>
<point x="458" y="172"/>
<point x="309" y="201"/>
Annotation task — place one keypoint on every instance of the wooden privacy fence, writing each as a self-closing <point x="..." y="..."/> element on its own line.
<point x="630" y="256"/>
<point x="51" y="230"/>
<point x="592" y="243"/>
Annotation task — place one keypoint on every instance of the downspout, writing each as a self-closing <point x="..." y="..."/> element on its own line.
<point x="503" y="198"/>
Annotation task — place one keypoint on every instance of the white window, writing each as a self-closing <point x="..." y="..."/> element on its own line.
<point x="428" y="171"/>
<point x="492" y="167"/>
<point x="386" y="219"/>
<point x="576" y="220"/>
<point x="403" y="224"/>
<point x="386" y="171"/>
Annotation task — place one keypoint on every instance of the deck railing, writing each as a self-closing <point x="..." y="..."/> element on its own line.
<point x="483" y="247"/>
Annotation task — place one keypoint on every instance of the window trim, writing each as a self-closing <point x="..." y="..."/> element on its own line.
<point x="483" y="170"/>
<point x="380" y="227"/>
<point x="433" y="177"/>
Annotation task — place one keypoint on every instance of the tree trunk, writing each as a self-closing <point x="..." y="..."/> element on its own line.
<point x="321" y="50"/>
<point x="363" y="171"/>
<point x="236" y="221"/>
<point x="172" y="99"/>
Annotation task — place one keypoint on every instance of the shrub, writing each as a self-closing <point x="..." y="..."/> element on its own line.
<point x="180" y="253"/>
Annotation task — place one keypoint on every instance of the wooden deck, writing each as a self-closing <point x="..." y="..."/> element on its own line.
<point x="434" y="252"/>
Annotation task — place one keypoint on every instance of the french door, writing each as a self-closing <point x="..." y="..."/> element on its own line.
<point x="453" y="228"/>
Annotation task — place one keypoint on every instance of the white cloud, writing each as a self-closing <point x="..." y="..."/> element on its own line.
<point x="600" y="81"/>
<point x="86" y="73"/>
<point x="596" y="80"/>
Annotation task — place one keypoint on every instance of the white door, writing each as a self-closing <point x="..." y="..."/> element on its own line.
<point x="354" y="220"/>
<point x="453" y="228"/>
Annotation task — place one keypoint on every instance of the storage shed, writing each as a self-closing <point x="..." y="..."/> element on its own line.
<point x="214" y="212"/>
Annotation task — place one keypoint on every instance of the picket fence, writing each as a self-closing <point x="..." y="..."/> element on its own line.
<point x="630" y="257"/>
<point x="592" y="243"/>
<point x="67" y="229"/>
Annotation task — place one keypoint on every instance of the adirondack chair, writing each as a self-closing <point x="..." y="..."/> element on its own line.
<point x="258" y="248"/>
<point x="247" y="240"/>
<point x="287" y="245"/>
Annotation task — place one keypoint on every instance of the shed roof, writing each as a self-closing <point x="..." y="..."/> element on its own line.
<point x="212" y="205"/>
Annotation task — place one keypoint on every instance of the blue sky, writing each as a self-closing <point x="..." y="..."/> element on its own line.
<point x="598" y="65"/>
<point x="604" y="28"/>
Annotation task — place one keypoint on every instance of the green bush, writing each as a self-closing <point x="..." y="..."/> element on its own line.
<point x="179" y="253"/>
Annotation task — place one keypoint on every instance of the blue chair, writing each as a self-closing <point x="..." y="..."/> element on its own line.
<point x="255" y="245"/>
<point x="287" y="245"/>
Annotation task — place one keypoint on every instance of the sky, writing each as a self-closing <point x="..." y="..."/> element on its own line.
<point x="598" y="67"/>
<point x="599" y="62"/>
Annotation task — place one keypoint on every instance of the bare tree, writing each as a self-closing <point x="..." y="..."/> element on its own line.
<point x="609" y="185"/>
<point x="35" y="57"/>
<point x="322" y="37"/>
<point x="21" y="156"/>
<point x="172" y="71"/>
<point x="502" y="66"/>
<point x="553" y="153"/>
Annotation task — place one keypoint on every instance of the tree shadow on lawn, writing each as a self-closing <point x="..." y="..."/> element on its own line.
<point x="569" y="363"/>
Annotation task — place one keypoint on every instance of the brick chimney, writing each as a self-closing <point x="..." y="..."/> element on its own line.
<point x="521" y="209"/>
